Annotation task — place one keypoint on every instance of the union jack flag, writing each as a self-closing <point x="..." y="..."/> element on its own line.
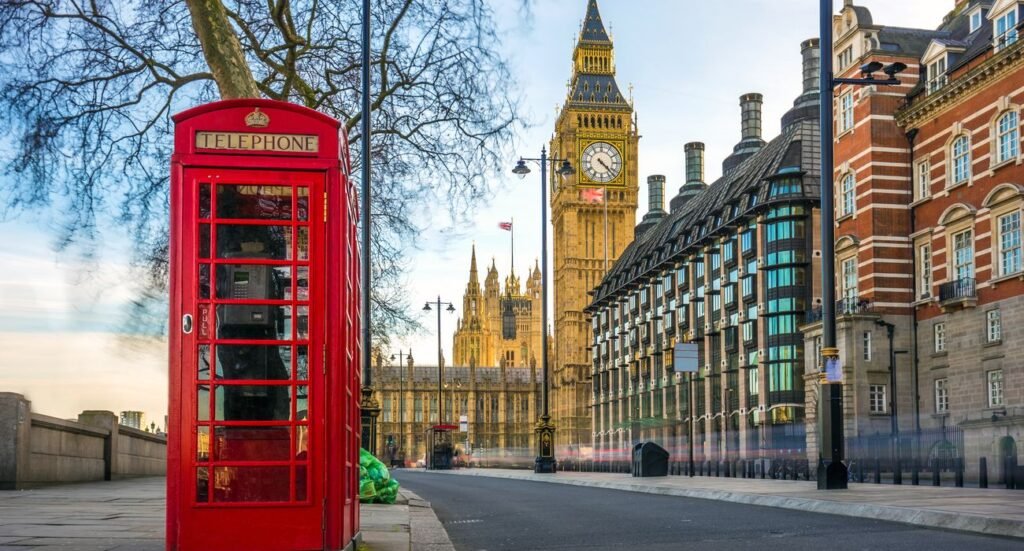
<point x="507" y="226"/>
<point x="592" y="195"/>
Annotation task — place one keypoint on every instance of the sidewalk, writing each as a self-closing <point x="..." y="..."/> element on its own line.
<point x="410" y="524"/>
<point x="128" y="515"/>
<point x="993" y="512"/>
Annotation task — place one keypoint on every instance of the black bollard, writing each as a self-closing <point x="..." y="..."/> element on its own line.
<point x="897" y="472"/>
<point x="718" y="468"/>
<point x="878" y="471"/>
<point x="743" y="468"/>
<point x="915" y="473"/>
<point x="936" y="475"/>
<point x="959" y="472"/>
<point x="983" y="473"/>
<point x="726" y="470"/>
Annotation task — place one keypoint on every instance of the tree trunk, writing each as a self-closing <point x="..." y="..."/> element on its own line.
<point x="222" y="50"/>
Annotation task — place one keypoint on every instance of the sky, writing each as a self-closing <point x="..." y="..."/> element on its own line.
<point x="687" y="61"/>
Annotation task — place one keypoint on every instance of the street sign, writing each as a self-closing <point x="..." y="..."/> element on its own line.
<point x="684" y="357"/>
<point x="463" y="423"/>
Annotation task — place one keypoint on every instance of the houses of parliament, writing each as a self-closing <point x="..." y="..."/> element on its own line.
<point x="500" y="332"/>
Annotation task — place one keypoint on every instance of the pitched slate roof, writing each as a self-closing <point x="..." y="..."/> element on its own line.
<point x="593" y="27"/>
<point x="597" y="89"/>
<point x="693" y="225"/>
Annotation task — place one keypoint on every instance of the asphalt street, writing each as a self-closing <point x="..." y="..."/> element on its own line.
<point x="490" y="514"/>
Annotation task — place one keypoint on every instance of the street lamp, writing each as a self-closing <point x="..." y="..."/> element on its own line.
<point x="545" y="430"/>
<point x="832" y="473"/>
<point x="451" y="308"/>
<point x="401" y="402"/>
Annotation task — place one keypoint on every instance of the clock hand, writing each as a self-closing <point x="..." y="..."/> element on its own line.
<point x="608" y="168"/>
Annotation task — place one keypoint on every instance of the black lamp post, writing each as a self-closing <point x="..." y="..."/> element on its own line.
<point x="440" y="359"/>
<point x="545" y="430"/>
<point x="832" y="474"/>
<point x="401" y="402"/>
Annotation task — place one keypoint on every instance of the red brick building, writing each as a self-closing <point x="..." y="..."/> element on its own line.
<point x="929" y="190"/>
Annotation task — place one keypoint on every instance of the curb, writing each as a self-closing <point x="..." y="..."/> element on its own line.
<point x="426" y="531"/>
<point x="918" y="517"/>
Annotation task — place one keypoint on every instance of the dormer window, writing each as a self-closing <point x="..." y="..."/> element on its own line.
<point x="976" y="18"/>
<point x="937" y="74"/>
<point x="1006" y="28"/>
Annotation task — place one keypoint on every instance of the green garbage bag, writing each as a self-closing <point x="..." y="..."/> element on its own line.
<point x="367" y="491"/>
<point x="375" y="482"/>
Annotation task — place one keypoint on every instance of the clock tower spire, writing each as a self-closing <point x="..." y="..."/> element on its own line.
<point x="596" y="130"/>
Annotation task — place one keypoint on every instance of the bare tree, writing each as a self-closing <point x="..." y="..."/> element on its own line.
<point x="88" y="87"/>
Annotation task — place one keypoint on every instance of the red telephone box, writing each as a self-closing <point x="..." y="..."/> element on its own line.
<point x="264" y="331"/>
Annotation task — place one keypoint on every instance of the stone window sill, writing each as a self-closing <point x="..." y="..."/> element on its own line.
<point x="939" y="354"/>
<point x="992" y="344"/>
<point x="951" y="187"/>
<point x="921" y="201"/>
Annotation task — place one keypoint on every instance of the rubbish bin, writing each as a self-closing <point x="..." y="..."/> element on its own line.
<point x="649" y="459"/>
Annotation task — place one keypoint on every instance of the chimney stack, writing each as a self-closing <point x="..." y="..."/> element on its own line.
<point x="694" y="185"/>
<point x="806" y="107"/>
<point x="812" y="64"/>
<point x="751" y="105"/>
<point x="694" y="162"/>
<point x="656" y="193"/>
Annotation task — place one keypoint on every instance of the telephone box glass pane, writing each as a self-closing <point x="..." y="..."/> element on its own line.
<point x="302" y="402"/>
<point x="204" y="362"/>
<point x="253" y="362"/>
<point x="303" y="199"/>
<point x="203" y="444"/>
<point x="251" y="484"/>
<point x="254" y="202"/>
<point x="204" y="201"/>
<point x="254" y="241"/>
<point x="204" y="281"/>
<point x="204" y="241"/>
<point x="302" y="283"/>
<point x="254" y="322"/>
<point x="302" y="329"/>
<point x="302" y="363"/>
<point x="301" y="442"/>
<point x="253" y="403"/>
<point x="303" y="253"/>
<point x="253" y="281"/>
<point x="300" y="483"/>
<point x="253" y="443"/>
<point x="202" y="485"/>
<point x="203" y="403"/>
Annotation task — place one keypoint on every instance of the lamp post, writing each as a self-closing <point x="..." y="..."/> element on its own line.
<point x="368" y="405"/>
<point x="545" y="430"/>
<point x="832" y="474"/>
<point x="451" y="308"/>
<point x="401" y="402"/>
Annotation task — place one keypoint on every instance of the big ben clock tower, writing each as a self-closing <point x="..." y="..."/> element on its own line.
<point x="597" y="132"/>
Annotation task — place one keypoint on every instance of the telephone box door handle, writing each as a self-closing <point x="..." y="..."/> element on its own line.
<point x="186" y="324"/>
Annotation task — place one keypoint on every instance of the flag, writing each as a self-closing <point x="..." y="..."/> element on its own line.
<point x="592" y="195"/>
<point x="507" y="226"/>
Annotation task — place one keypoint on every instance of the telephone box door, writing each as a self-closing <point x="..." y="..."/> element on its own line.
<point x="253" y="340"/>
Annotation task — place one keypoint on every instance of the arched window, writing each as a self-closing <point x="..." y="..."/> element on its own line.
<point x="1007" y="137"/>
<point x="847" y="195"/>
<point x="960" y="153"/>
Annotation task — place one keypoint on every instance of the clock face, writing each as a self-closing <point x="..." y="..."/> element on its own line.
<point x="601" y="162"/>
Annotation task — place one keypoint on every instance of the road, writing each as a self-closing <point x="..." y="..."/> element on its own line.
<point x="490" y="514"/>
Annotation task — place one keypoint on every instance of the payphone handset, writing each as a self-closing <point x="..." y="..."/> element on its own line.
<point x="252" y="321"/>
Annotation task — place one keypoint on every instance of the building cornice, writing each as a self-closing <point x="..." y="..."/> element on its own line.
<point x="960" y="89"/>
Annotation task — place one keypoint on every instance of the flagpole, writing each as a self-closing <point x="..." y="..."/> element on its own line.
<point x="604" y="197"/>
<point x="512" y="232"/>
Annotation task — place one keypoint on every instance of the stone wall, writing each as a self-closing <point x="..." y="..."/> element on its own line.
<point x="39" y="450"/>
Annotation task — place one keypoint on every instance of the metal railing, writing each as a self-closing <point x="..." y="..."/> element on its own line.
<point x="958" y="289"/>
